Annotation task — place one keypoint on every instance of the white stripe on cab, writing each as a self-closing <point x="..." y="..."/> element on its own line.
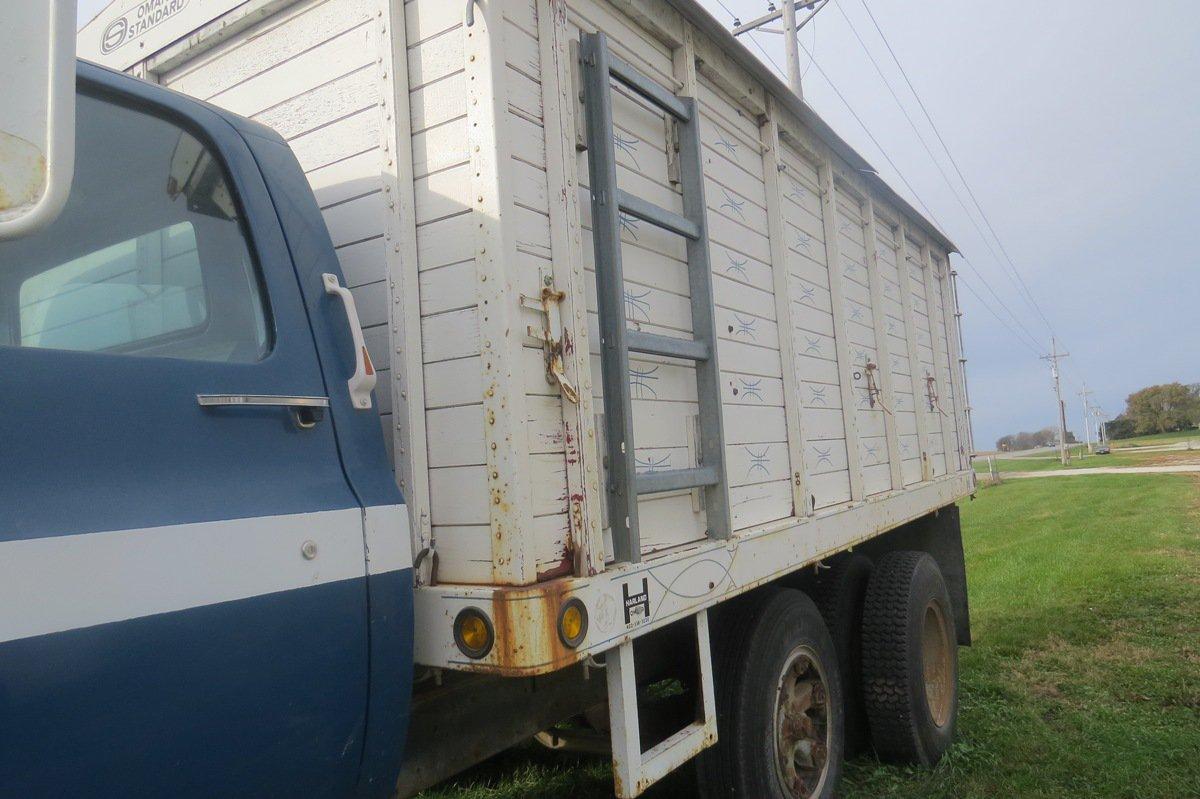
<point x="60" y="583"/>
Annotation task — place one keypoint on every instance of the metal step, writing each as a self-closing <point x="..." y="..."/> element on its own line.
<point x="600" y="68"/>
<point x="633" y="769"/>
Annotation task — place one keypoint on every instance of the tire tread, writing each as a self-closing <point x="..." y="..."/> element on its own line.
<point x="885" y="648"/>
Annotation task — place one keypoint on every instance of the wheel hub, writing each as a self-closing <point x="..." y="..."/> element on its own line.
<point x="802" y="725"/>
<point x="935" y="657"/>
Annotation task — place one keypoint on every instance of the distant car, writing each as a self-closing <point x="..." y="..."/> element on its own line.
<point x="1102" y="449"/>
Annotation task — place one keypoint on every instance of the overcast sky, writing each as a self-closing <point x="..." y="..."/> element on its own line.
<point x="1077" y="123"/>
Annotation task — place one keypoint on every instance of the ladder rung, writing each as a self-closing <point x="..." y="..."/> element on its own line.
<point x="666" y="346"/>
<point x="656" y="215"/>
<point x="675" y="479"/>
<point x="648" y="89"/>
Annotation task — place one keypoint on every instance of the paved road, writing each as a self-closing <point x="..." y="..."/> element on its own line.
<point x="1047" y="452"/>
<point x="1174" y="468"/>
<point x="1182" y="445"/>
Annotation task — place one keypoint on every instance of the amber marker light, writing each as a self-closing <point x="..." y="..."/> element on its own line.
<point x="473" y="632"/>
<point x="572" y="623"/>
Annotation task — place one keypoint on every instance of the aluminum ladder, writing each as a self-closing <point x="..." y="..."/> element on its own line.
<point x="617" y="341"/>
<point x="635" y="770"/>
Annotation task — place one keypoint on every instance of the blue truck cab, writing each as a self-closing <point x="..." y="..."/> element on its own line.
<point x="205" y="568"/>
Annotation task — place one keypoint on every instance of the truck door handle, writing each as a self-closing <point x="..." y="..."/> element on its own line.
<point x="306" y="411"/>
<point x="363" y="379"/>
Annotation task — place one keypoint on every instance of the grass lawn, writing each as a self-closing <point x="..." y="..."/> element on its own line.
<point x="1158" y="438"/>
<point x="1084" y="680"/>
<point x="1129" y="457"/>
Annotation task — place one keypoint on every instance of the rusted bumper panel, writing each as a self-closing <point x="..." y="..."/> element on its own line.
<point x="631" y="600"/>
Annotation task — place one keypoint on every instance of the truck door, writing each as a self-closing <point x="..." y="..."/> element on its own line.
<point x="183" y="600"/>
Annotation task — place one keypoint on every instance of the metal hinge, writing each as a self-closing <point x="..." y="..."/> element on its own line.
<point x="427" y="552"/>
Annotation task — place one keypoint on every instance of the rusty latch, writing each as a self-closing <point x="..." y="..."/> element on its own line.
<point x="552" y="346"/>
<point x="931" y="394"/>
<point x="874" y="392"/>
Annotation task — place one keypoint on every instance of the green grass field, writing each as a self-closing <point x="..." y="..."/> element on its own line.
<point x="1158" y="438"/>
<point x="1119" y="457"/>
<point x="1084" y="680"/>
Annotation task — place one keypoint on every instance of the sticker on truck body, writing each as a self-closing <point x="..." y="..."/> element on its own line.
<point x="138" y="21"/>
<point x="637" y="602"/>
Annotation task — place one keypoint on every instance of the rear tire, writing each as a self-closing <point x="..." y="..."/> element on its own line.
<point x="910" y="660"/>
<point x="779" y="702"/>
<point x="839" y="593"/>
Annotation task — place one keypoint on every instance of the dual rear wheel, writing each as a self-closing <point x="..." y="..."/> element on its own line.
<point x="800" y="683"/>
<point x="910" y="660"/>
<point x="779" y="699"/>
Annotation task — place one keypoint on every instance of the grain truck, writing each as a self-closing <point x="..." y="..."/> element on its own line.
<point x="406" y="380"/>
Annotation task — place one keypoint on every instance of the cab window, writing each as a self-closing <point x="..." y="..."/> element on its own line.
<point x="148" y="258"/>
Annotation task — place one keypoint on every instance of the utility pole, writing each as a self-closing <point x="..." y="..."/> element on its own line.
<point x="1054" y="358"/>
<point x="791" y="28"/>
<point x="791" y="46"/>
<point x="1087" y="421"/>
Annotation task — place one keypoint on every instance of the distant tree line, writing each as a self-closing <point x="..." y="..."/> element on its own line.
<point x="1164" y="408"/>
<point x="1046" y="437"/>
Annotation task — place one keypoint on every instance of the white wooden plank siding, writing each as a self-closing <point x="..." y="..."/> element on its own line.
<point x="825" y="454"/>
<point x="944" y="357"/>
<point x="757" y="458"/>
<point x="459" y="514"/>
<point x="444" y="160"/>
<point x="860" y="331"/>
<point x="905" y="404"/>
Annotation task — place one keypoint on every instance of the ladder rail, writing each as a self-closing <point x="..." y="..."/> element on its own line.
<point x="704" y="324"/>
<point x="610" y="298"/>
<point x="609" y="202"/>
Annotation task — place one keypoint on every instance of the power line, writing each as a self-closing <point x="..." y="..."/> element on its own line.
<point x="1012" y="270"/>
<point x="929" y="117"/>
<point x="871" y="136"/>
<point x="814" y="50"/>
<point x="915" y="194"/>
<point x="1036" y="353"/>
<point x="936" y="162"/>
<point x="920" y="136"/>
